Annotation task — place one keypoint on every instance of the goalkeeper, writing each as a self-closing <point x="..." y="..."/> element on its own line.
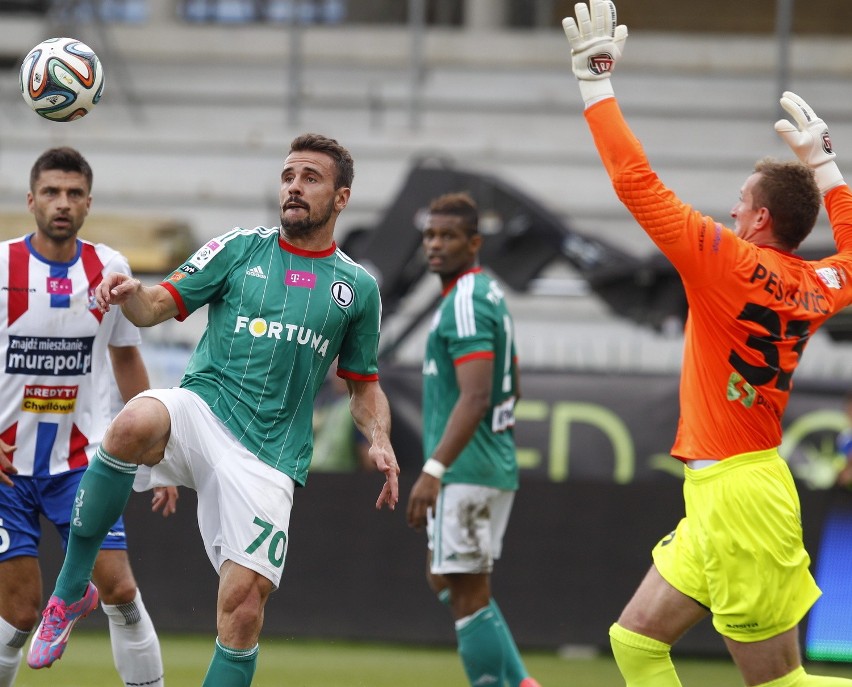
<point x="753" y="305"/>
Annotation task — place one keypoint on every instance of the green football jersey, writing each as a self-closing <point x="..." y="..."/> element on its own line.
<point x="277" y="318"/>
<point x="473" y="321"/>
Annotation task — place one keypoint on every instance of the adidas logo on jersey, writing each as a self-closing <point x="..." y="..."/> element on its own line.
<point x="256" y="272"/>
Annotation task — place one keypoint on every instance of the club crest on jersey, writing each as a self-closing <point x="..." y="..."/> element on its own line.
<point x="602" y="63"/>
<point x="204" y="254"/>
<point x="342" y="293"/>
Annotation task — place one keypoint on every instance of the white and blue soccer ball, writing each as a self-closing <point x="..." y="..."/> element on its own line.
<point x="62" y="79"/>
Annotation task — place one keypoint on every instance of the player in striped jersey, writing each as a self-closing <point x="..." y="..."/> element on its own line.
<point x="465" y="492"/>
<point x="60" y="356"/>
<point x="284" y="304"/>
<point x="738" y="555"/>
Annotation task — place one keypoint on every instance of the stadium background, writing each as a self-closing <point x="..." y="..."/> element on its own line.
<point x="202" y="99"/>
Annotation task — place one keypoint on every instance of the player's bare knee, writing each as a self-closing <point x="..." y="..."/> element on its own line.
<point x="23" y="617"/>
<point x="20" y="601"/>
<point x="116" y="590"/>
<point x="113" y="577"/>
<point x="142" y="424"/>
<point x="242" y="590"/>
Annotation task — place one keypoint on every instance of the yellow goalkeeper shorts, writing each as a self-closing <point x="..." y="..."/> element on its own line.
<point x="739" y="550"/>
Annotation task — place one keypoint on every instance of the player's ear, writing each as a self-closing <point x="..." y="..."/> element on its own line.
<point x="341" y="198"/>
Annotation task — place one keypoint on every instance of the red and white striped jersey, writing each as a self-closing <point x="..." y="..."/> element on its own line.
<point x="57" y="375"/>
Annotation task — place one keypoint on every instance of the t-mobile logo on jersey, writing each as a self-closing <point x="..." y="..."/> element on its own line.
<point x="59" y="286"/>
<point x="305" y="280"/>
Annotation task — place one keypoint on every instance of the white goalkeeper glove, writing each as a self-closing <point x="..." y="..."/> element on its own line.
<point x="597" y="42"/>
<point x="809" y="139"/>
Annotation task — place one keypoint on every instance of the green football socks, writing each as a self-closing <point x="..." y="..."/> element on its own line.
<point x="231" y="667"/>
<point x="481" y="648"/>
<point x="101" y="498"/>
<point x="516" y="671"/>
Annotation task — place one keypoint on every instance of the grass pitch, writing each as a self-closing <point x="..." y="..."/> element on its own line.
<point x="330" y="663"/>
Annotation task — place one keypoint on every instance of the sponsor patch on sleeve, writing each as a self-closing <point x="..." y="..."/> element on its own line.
<point x="831" y="277"/>
<point x="204" y="254"/>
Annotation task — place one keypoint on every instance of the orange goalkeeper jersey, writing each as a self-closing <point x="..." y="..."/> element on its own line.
<point x="752" y="309"/>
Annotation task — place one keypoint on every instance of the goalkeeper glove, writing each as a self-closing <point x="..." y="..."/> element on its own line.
<point x="596" y="45"/>
<point x="809" y="139"/>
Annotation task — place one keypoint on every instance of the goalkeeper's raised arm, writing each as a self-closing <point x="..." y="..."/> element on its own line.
<point x="597" y="42"/>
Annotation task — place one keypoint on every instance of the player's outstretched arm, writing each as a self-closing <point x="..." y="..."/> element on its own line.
<point x="597" y="41"/>
<point x="808" y="137"/>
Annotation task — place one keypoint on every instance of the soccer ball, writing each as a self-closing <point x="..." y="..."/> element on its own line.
<point x="62" y="79"/>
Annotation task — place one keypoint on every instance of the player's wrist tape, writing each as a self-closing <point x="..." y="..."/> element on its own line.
<point x="434" y="468"/>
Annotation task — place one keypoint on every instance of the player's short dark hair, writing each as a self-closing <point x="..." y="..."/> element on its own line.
<point x="789" y="191"/>
<point x="64" y="158"/>
<point x="461" y="205"/>
<point x="322" y="144"/>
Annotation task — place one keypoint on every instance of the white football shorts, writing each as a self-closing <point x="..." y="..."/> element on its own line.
<point x="244" y="504"/>
<point x="466" y="531"/>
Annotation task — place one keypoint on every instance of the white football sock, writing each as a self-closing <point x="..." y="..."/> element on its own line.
<point x="12" y="641"/>
<point x="135" y="646"/>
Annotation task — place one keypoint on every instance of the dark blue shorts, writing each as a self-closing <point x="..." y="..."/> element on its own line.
<point x="52" y="497"/>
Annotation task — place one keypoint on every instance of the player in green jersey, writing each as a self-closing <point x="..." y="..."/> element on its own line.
<point x="464" y="495"/>
<point x="283" y="304"/>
